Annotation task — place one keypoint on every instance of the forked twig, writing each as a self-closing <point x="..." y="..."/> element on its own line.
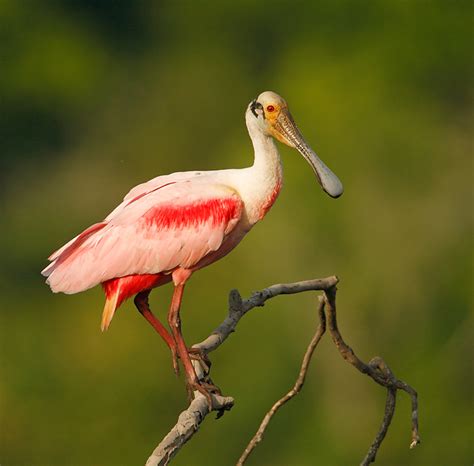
<point x="379" y="371"/>
<point x="190" y="419"/>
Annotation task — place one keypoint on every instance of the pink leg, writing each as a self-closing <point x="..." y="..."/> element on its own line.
<point x="141" y="301"/>
<point x="174" y="322"/>
<point x="175" y="325"/>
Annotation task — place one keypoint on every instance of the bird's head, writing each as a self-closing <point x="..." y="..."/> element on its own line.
<point x="269" y="113"/>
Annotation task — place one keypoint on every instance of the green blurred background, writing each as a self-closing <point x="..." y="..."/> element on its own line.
<point x="98" y="96"/>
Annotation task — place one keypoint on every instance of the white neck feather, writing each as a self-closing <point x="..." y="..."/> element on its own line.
<point x="267" y="157"/>
<point x="260" y="183"/>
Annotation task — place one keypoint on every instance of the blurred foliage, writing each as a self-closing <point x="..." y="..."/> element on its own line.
<point x="100" y="95"/>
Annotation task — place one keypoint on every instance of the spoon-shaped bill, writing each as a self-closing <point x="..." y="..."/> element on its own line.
<point x="289" y="133"/>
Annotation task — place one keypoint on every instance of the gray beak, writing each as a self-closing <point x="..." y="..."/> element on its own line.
<point x="286" y="128"/>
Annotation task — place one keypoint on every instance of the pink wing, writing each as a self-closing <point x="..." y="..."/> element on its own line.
<point x="156" y="183"/>
<point x="169" y="224"/>
<point x="138" y="191"/>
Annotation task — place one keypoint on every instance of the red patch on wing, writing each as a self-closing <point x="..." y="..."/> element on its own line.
<point x="131" y="285"/>
<point x="270" y="200"/>
<point x="216" y="211"/>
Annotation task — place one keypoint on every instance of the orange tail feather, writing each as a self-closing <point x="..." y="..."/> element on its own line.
<point x="111" y="304"/>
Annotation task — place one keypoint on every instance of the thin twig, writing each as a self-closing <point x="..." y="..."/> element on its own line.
<point x="258" y="437"/>
<point x="387" y="419"/>
<point x="380" y="372"/>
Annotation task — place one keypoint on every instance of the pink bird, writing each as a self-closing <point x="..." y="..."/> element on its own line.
<point x="171" y="226"/>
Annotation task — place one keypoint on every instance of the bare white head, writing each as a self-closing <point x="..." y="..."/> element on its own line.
<point x="270" y="113"/>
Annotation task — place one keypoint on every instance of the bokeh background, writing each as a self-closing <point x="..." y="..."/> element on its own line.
<point x="98" y="96"/>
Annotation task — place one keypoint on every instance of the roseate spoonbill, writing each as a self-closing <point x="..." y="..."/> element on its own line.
<point x="171" y="226"/>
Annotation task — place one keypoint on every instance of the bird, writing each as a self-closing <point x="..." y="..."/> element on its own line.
<point x="171" y="226"/>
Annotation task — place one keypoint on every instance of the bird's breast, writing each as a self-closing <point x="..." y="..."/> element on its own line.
<point x="261" y="196"/>
<point x="257" y="187"/>
<point x="269" y="200"/>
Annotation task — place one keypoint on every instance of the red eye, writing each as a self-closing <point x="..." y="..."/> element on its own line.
<point x="270" y="108"/>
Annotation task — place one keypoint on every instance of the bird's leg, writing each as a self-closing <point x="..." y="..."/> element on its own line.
<point x="141" y="301"/>
<point x="174" y="321"/>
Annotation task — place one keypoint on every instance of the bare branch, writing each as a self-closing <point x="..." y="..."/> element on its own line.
<point x="238" y="307"/>
<point x="190" y="419"/>
<point x="188" y="423"/>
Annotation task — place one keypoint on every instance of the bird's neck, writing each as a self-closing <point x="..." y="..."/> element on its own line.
<point x="266" y="174"/>
<point x="267" y="162"/>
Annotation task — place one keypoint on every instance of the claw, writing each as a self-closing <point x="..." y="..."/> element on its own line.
<point x="211" y="388"/>
<point x="199" y="355"/>
<point x="196" y="386"/>
<point x="206" y="389"/>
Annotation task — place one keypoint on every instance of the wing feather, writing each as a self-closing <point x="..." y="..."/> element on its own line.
<point x="155" y="230"/>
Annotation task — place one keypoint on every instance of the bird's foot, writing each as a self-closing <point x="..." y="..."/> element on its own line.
<point x="204" y="385"/>
<point x="196" y="354"/>
<point x="205" y="388"/>
<point x="200" y="355"/>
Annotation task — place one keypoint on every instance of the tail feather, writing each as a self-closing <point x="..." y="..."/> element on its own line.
<point x="117" y="290"/>
<point x="111" y="304"/>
